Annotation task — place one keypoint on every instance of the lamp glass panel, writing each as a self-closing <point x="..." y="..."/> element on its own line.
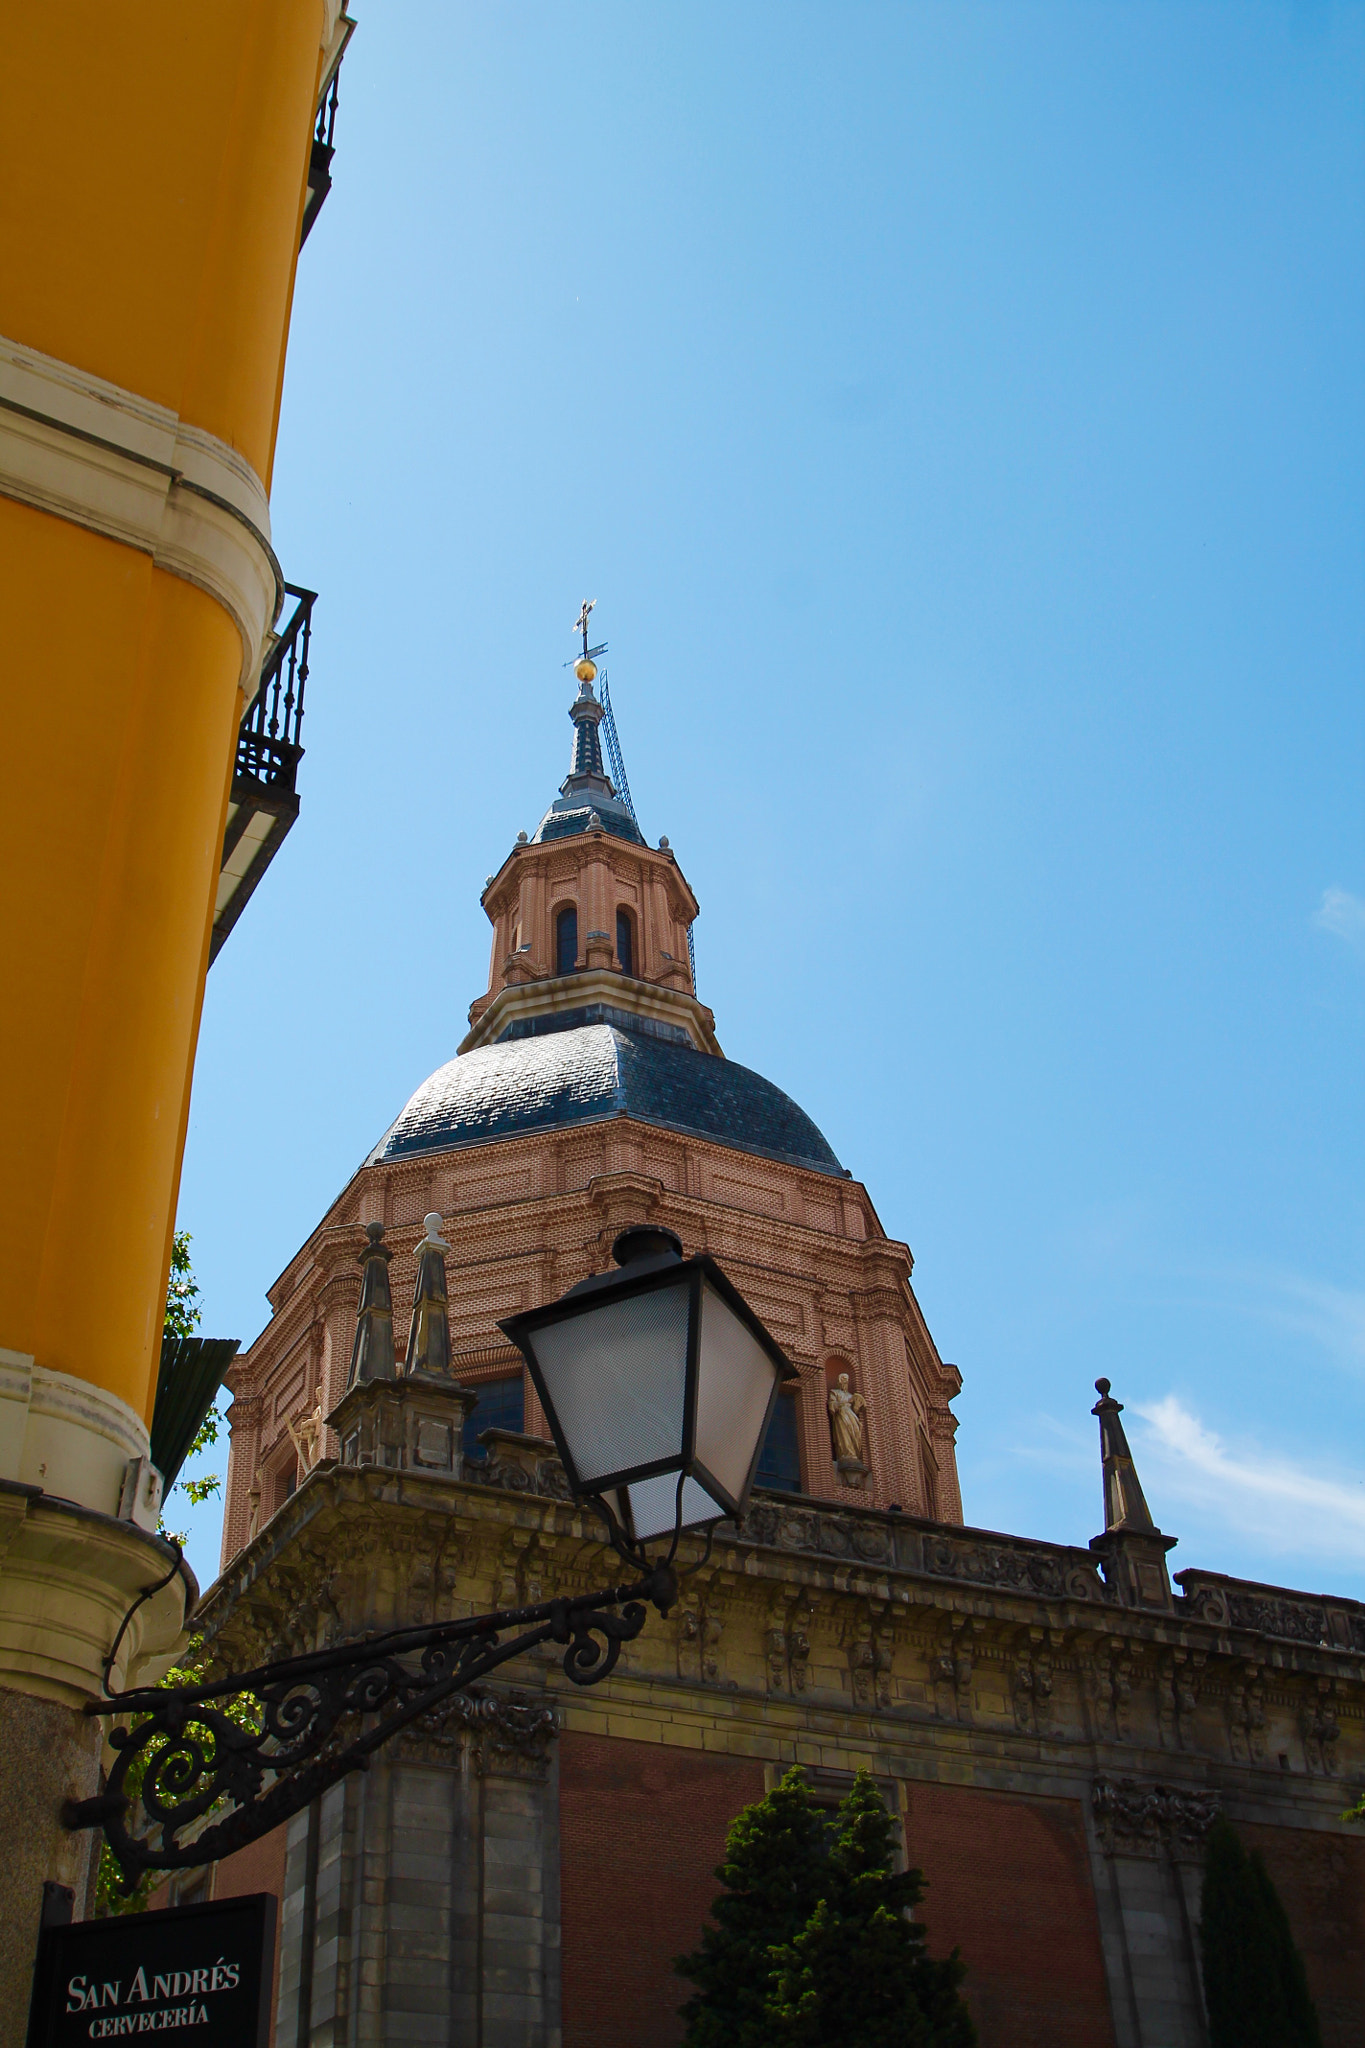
<point x="734" y="1385"/>
<point x="615" y="1376"/>
<point x="652" y="1505"/>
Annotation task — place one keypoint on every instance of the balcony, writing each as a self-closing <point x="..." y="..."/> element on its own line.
<point x="324" y="135"/>
<point x="264" y="801"/>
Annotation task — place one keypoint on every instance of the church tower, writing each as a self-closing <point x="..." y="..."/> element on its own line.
<point x="1052" y="1727"/>
<point x="590" y="1093"/>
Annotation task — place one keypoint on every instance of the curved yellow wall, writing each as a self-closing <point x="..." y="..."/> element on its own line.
<point x="153" y="161"/>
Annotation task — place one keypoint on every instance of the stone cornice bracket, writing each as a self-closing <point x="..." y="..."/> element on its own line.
<point x="86" y="450"/>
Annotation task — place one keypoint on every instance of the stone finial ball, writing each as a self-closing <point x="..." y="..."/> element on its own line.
<point x="374" y="1231"/>
<point x="433" y="1224"/>
<point x="1101" y="1388"/>
<point x="663" y="842"/>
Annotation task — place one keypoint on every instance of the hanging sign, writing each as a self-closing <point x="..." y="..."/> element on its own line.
<point x="198" y="1975"/>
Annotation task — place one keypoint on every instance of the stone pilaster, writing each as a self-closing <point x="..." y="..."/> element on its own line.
<point x="421" y="1900"/>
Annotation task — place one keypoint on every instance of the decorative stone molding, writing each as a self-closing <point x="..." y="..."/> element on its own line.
<point x="415" y="1422"/>
<point x="70" y="1438"/>
<point x="1321" y="1732"/>
<point x="70" y="1576"/>
<point x="1151" y="1820"/>
<point x="871" y="1655"/>
<point x="1246" y="1715"/>
<point x="699" y="1630"/>
<point x="951" y="1670"/>
<point x="512" y="1736"/>
<point x="86" y="450"/>
<point x="914" y="1545"/>
<point x="530" y="995"/>
<point x="519" y="1464"/>
<point x="1270" y="1611"/>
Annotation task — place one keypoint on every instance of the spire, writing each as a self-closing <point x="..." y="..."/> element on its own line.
<point x="1124" y="1505"/>
<point x="429" y="1331"/>
<point x="372" y="1358"/>
<point x="586" y="768"/>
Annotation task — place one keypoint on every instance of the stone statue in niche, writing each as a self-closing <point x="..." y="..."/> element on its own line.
<point x="846" y="1412"/>
<point x="307" y="1435"/>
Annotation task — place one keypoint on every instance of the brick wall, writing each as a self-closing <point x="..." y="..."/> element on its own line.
<point x="1009" y="1884"/>
<point x="1321" y="1879"/>
<point x="642" y="1829"/>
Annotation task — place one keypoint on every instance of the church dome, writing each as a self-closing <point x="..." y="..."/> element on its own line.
<point x="583" y="1074"/>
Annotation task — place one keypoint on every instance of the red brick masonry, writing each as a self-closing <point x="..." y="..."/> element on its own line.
<point x="642" y="1830"/>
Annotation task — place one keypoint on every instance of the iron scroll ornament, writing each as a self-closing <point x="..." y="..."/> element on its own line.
<point x="321" y="1716"/>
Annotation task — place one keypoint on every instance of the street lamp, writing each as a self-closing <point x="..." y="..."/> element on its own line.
<point x="658" y="1382"/>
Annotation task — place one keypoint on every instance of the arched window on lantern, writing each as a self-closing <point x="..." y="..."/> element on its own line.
<point x="566" y="940"/>
<point x="625" y="942"/>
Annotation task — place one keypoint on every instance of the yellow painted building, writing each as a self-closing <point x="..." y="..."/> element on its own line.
<point x="154" y="175"/>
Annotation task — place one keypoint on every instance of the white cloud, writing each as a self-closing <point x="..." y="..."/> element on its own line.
<point x="1289" y="1506"/>
<point x="1343" y="915"/>
<point x="1332" y="1317"/>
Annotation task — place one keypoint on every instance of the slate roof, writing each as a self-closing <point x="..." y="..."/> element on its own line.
<point x="583" y="1075"/>
<point x="562" y="823"/>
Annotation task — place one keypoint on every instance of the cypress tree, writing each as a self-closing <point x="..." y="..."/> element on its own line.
<point x="773" y="1871"/>
<point x="858" y="1974"/>
<point x="1255" y="1986"/>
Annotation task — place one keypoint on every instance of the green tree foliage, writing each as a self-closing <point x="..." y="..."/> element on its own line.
<point x="1254" y="1982"/>
<point x="772" y="1873"/>
<point x="858" y="1974"/>
<point x="812" y="1942"/>
<point x="183" y="1314"/>
<point x="182" y="1319"/>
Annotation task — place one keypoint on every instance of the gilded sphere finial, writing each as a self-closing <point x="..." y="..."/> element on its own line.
<point x="585" y="669"/>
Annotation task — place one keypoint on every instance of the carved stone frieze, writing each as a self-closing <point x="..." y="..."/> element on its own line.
<point x="1031" y="1684"/>
<point x="1269" y="1611"/>
<point x="1321" y="1732"/>
<point x="499" y="1737"/>
<point x="1055" y="1574"/>
<point x="870" y="1650"/>
<point x="855" y="1538"/>
<point x="699" y="1626"/>
<point x="1134" y="1819"/>
<point x="951" y="1670"/>
<point x="787" y="1644"/>
<point x="1246" y="1715"/>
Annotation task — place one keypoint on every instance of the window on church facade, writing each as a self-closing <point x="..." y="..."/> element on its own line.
<point x="625" y="950"/>
<point x="779" y="1462"/>
<point x="566" y="940"/>
<point x="501" y="1405"/>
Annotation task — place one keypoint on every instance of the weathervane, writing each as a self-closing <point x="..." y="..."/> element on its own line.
<point x="584" y="666"/>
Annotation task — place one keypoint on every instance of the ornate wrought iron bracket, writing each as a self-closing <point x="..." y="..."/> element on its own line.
<point x="304" y="1722"/>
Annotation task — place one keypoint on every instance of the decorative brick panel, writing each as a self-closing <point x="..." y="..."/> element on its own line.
<point x="642" y="1829"/>
<point x="1321" y="1879"/>
<point x="1009" y="1884"/>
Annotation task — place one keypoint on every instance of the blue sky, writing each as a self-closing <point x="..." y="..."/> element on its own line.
<point x="957" y="412"/>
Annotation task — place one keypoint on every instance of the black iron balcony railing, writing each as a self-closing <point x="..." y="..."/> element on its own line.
<point x="268" y="749"/>
<point x="264" y="801"/>
<point x="324" y="139"/>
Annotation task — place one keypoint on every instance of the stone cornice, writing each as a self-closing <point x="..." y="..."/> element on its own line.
<point x="832" y="1633"/>
<point x="651" y="1000"/>
<point x="86" y="450"/>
